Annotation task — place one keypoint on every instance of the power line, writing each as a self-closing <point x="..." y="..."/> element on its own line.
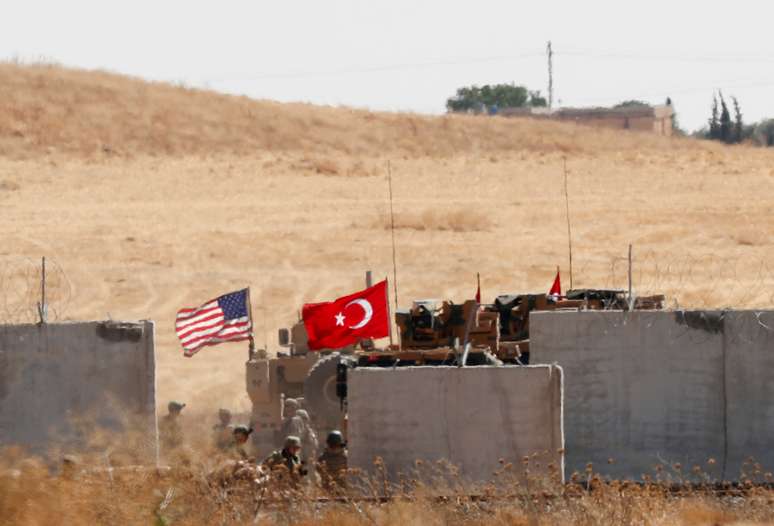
<point x="571" y="53"/>
<point x="667" y="58"/>
<point x="376" y="69"/>
<point x="682" y="91"/>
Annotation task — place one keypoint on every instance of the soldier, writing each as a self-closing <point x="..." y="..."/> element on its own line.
<point x="69" y="467"/>
<point x="292" y="424"/>
<point x="332" y="464"/>
<point x="223" y="430"/>
<point x="309" y="442"/>
<point x="239" y="442"/>
<point x="170" y="432"/>
<point x="285" y="464"/>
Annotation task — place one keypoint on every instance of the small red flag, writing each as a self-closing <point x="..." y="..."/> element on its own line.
<point x="347" y="320"/>
<point x="478" y="290"/>
<point x="556" y="288"/>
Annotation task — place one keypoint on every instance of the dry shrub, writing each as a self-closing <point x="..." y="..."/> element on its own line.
<point x="360" y="169"/>
<point x="752" y="239"/>
<point x="330" y="167"/>
<point x="325" y="167"/>
<point x="442" y="221"/>
<point x="9" y="186"/>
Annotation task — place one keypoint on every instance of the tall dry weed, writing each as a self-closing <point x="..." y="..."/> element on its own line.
<point x="440" y="220"/>
<point x="32" y="492"/>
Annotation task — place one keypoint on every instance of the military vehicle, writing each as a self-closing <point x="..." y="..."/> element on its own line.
<point x="432" y="332"/>
<point x="513" y="312"/>
<point x="271" y="380"/>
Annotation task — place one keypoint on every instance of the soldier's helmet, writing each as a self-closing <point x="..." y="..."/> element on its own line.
<point x="242" y="430"/>
<point x="303" y="414"/>
<point x="224" y="414"/>
<point x="175" y="407"/>
<point x="291" y="403"/>
<point x="335" y="438"/>
<point x="292" y="441"/>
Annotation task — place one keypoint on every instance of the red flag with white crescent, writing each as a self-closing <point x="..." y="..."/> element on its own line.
<point x="347" y="320"/>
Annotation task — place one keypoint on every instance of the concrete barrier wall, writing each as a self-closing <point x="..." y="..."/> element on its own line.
<point x="470" y="416"/>
<point x="647" y="388"/>
<point x="60" y="383"/>
<point x="749" y="342"/>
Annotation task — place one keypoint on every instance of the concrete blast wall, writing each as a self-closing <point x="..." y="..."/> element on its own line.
<point x="471" y="416"/>
<point x="60" y="383"/>
<point x="647" y="388"/>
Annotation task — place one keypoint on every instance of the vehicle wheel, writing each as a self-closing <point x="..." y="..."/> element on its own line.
<point x="320" y="393"/>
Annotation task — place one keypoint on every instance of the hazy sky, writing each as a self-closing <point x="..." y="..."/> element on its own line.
<point x="412" y="55"/>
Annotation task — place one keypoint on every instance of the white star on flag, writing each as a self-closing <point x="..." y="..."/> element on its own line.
<point x="340" y="319"/>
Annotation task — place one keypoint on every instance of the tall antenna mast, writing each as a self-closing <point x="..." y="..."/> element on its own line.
<point x="392" y="231"/>
<point x="550" y="53"/>
<point x="567" y="215"/>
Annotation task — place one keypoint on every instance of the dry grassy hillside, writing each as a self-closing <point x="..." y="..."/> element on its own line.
<point x="151" y="197"/>
<point x="94" y="115"/>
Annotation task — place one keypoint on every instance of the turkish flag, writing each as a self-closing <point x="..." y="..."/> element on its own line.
<point x="347" y="320"/>
<point x="556" y="288"/>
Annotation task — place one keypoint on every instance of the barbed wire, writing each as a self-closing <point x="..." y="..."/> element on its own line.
<point x="693" y="281"/>
<point x="698" y="281"/>
<point x="20" y="289"/>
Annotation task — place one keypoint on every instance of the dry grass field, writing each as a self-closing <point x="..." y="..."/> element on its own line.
<point x="150" y="197"/>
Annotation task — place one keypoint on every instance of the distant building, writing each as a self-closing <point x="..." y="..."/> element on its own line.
<point x="655" y="119"/>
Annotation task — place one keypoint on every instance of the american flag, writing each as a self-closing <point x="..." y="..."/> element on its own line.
<point x="224" y="319"/>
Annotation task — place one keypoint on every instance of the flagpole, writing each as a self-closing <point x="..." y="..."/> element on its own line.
<point x="389" y="314"/>
<point x="251" y="348"/>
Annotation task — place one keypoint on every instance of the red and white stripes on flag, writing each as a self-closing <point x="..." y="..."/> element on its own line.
<point x="224" y="319"/>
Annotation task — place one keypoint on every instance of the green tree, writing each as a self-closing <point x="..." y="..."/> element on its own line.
<point x="487" y="97"/>
<point x="738" y="133"/>
<point x="763" y="133"/>
<point x="725" y="121"/>
<point x="632" y="104"/>
<point x="536" y="100"/>
<point x="714" y="123"/>
<point x="721" y="125"/>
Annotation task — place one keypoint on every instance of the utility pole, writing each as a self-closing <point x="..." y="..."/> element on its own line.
<point x="550" y="53"/>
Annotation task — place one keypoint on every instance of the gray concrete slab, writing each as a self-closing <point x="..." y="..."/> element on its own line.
<point x="749" y="340"/>
<point x="471" y="417"/>
<point x="63" y="383"/>
<point x="647" y="388"/>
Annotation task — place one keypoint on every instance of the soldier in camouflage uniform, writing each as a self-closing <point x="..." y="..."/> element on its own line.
<point x="285" y="464"/>
<point x="239" y="442"/>
<point x="222" y="431"/>
<point x="309" y="442"/>
<point x="332" y="464"/>
<point x="292" y="424"/>
<point x="170" y="432"/>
